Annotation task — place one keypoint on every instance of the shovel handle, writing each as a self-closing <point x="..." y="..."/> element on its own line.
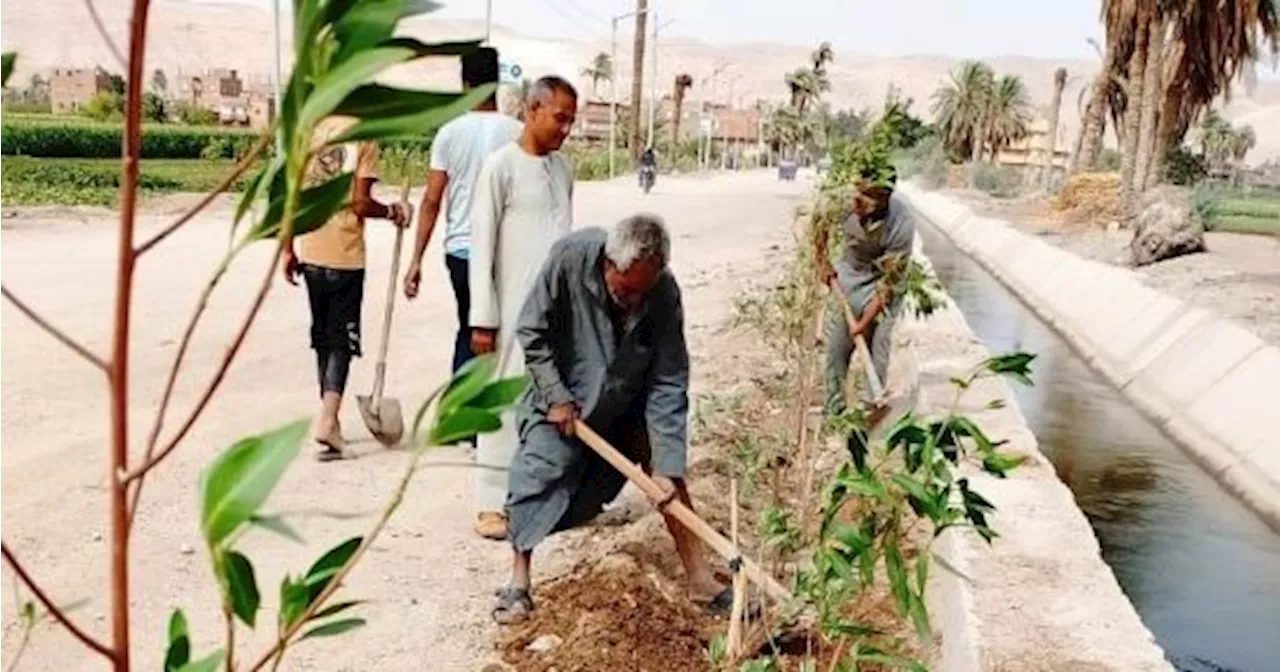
<point x="380" y="369"/>
<point x="676" y="509"/>
<point x="859" y="343"/>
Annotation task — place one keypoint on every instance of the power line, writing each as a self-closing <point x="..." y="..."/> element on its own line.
<point x="573" y="19"/>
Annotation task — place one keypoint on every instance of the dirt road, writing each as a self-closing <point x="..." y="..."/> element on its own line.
<point x="429" y="579"/>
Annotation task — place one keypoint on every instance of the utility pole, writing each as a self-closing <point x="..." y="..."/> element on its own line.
<point x="653" y="78"/>
<point x="276" y="70"/>
<point x="613" y="87"/>
<point x="637" y="81"/>
<point x="488" y="20"/>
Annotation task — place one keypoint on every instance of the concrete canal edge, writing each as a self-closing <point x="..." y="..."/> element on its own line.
<point x="1209" y="384"/>
<point x="1040" y="597"/>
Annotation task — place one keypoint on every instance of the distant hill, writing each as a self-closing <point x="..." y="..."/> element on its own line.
<point x="192" y="37"/>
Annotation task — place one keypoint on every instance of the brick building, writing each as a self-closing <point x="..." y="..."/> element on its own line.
<point x="71" y="88"/>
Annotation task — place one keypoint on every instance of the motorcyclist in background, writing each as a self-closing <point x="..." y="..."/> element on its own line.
<point x="648" y="166"/>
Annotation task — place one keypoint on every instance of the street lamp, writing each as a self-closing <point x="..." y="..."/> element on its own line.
<point x="613" y="83"/>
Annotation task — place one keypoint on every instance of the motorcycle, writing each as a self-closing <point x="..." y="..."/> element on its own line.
<point x="648" y="175"/>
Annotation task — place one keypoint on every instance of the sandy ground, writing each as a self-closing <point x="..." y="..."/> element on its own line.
<point x="1238" y="277"/>
<point x="428" y="579"/>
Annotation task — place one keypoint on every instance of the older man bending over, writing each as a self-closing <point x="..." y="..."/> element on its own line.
<point x="603" y="336"/>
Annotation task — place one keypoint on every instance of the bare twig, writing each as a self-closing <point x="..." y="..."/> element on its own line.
<point x="215" y="381"/>
<point x="222" y="186"/>
<point x="154" y="436"/>
<point x="102" y="32"/>
<point x="231" y="639"/>
<point x="54" y="611"/>
<point x="53" y="331"/>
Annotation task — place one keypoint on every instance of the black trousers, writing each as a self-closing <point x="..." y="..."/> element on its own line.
<point x="336" y="296"/>
<point x="458" y="268"/>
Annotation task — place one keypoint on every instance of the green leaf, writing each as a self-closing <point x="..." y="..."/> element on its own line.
<point x="276" y="524"/>
<point x="363" y="25"/>
<point x="376" y="101"/>
<point x="418" y="124"/>
<point x="415" y="7"/>
<point x="856" y="444"/>
<point x="1016" y="365"/>
<point x="334" y="628"/>
<point x="240" y="479"/>
<point x="421" y="49"/>
<point x="339" y="82"/>
<point x="294" y="598"/>
<point x="996" y="404"/>
<point x="913" y="487"/>
<point x="328" y="565"/>
<point x="463" y="423"/>
<point x="999" y="464"/>
<point x="335" y="609"/>
<point x="922" y="573"/>
<point x="7" y="60"/>
<point x="919" y="616"/>
<point x="467" y="383"/>
<point x="315" y="206"/>
<point x="896" y="570"/>
<point x="260" y="183"/>
<point x="178" y="652"/>
<point x="209" y="663"/>
<point x="500" y="394"/>
<point x="242" y="587"/>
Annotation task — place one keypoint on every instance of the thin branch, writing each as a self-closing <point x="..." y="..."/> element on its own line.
<point x="154" y="436"/>
<point x="55" y="332"/>
<point x="54" y="611"/>
<point x="139" y="471"/>
<point x="102" y="32"/>
<point x="222" y="186"/>
<point x="277" y="650"/>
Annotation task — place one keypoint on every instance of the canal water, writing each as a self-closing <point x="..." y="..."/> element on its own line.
<point x="1201" y="569"/>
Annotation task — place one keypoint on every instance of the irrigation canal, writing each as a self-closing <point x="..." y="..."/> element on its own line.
<point x="1202" y="570"/>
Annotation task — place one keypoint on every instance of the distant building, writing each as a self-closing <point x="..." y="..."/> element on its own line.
<point x="1033" y="149"/>
<point x="71" y="88"/>
<point x="593" y="120"/>
<point x="226" y="93"/>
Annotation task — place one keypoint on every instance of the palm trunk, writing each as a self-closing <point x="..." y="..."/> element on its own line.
<point x="678" y="102"/>
<point x="637" y="79"/>
<point x="1133" y="114"/>
<point x="1171" y="65"/>
<point x="1095" y="117"/>
<point x="1051" y="141"/>
<point x="1151" y="98"/>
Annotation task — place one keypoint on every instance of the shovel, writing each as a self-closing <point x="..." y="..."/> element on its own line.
<point x="381" y="414"/>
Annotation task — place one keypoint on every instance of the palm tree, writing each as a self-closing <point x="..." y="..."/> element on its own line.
<point x="1055" y="107"/>
<point x="682" y="84"/>
<point x="807" y="87"/>
<point x="1008" y="114"/>
<point x="823" y="55"/>
<point x="599" y="70"/>
<point x="960" y="108"/>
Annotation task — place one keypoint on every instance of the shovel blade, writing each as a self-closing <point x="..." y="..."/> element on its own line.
<point x="384" y="419"/>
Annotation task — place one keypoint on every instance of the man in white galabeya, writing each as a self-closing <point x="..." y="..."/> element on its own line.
<point x="457" y="153"/>
<point x="523" y="204"/>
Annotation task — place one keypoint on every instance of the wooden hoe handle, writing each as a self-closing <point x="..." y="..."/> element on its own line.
<point x="682" y="513"/>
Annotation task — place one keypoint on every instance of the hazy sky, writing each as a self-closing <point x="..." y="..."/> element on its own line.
<point x="1044" y="28"/>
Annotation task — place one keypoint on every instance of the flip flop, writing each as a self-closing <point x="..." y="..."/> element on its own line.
<point x="332" y="447"/>
<point x="514" y="605"/>
<point x="722" y="605"/>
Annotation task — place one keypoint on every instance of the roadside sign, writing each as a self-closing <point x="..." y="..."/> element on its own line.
<point x="509" y="72"/>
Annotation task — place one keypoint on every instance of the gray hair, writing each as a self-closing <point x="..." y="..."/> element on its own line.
<point x="542" y="90"/>
<point x="637" y="237"/>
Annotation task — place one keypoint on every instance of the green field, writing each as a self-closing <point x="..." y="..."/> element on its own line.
<point x="29" y="181"/>
<point x="1240" y="212"/>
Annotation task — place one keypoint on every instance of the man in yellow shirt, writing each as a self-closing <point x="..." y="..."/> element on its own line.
<point x="331" y="259"/>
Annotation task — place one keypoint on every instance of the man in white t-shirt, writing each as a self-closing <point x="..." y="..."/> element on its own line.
<point x="458" y="151"/>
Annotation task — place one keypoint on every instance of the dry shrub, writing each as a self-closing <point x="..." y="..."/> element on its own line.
<point x="1090" y="197"/>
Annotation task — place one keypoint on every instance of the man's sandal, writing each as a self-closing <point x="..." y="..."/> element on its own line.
<point x="722" y="605"/>
<point x="514" y="605"/>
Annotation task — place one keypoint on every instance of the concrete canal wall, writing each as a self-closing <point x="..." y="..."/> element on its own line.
<point x="1208" y="383"/>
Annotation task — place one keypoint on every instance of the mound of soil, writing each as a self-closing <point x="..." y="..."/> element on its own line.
<point x="612" y="615"/>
